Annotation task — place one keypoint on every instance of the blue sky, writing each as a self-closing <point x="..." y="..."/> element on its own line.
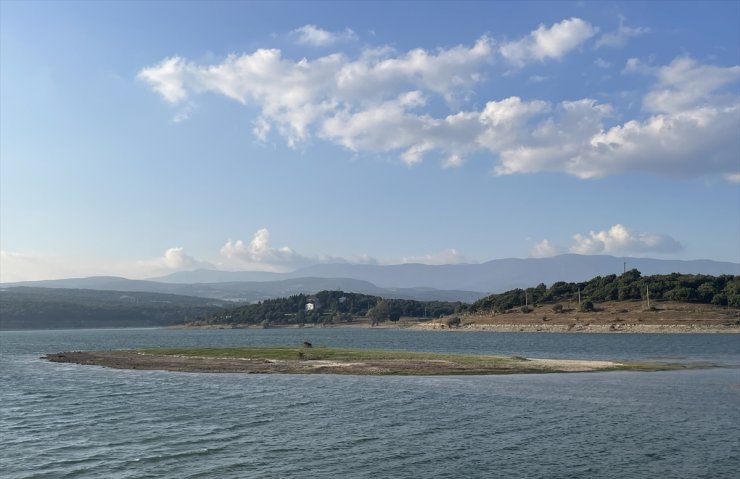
<point x="141" y="138"/>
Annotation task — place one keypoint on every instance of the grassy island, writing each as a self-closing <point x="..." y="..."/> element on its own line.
<point x="321" y="360"/>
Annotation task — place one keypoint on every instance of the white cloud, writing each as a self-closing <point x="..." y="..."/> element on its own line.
<point x="634" y="65"/>
<point x="174" y="259"/>
<point x="166" y="78"/>
<point x="453" y="161"/>
<point x="317" y="37"/>
<point x="692" y="133"/>
<point x="448" y="256"/>
<point x="620" y="36"/>
<point x="259" y="254"/>
<point x="297" y="96"/>
<point x="684" y="84"/>
<point x="545" y="43"/>
<point x="620" y="240"/>
<point x="388" y="102"/>
<point x="733" y="177"/>
<point x="544" y="249"/>
<point x="601" y="63"/>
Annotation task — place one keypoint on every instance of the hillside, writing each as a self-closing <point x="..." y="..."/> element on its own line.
<point x="698" y="288"/>
<point x="691" y="297"/>
<point x="44" y="308"/>
<point x="327" y="307"/>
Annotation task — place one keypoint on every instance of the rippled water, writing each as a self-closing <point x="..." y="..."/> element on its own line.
<point x="63" y="420"/>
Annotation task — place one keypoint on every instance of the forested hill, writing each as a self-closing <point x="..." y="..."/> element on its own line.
<point x="329" y="307"/>
<point x="49" y="308"/>
<point x="697" y="288"/>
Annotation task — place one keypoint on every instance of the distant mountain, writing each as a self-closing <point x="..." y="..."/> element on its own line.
<point x="252" y="291"/>
<point x="505" y="274"/>
<point x="457" y="282"/>
<point x="493" y="276"/>
<point x="215" y="276"/>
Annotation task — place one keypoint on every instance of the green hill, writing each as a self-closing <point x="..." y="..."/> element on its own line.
<point x="50" y="308"/>
<point x="691" y="288"/>
<point x="328" y="307"/>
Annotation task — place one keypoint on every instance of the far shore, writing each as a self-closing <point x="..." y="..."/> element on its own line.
<point x="609" y="317"/>
<point x="308" y="360"/>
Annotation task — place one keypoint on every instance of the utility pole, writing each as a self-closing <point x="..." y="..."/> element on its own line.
<point x="647" y="290"/>
<point x="625" y="268"/>
<point x="579" y="297"/>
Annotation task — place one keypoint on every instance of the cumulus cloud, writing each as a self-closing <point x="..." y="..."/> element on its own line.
<point x="261" y="254"/>
<point x="174" y="259"/>
<point x="448" y="256"/>
<point x="166" y="78"/>
<point x="317" y="37"/>
<point x="617" y="240"/>
<point x="692" y="132"/>
<point x="544" y="249"/>
<point x="390" y="102"/>
<point x="685" y="84"/>
<point x="620" y="240"/>
<point x="548" y="43"/>
<point x="619" y="37"/>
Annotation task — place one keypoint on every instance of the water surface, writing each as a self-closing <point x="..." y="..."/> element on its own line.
<point x="65" y="420"/>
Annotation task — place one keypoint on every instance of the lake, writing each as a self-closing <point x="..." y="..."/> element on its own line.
<point x="65" y="420"/>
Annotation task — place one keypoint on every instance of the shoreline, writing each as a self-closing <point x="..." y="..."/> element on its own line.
<point x="614" y="328"/>
<point x="507" y="327"/>
<point x="609" y="317"/>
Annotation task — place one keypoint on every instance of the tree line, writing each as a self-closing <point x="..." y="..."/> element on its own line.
<point x="329" y="307"/>
<point x="721" y="290"/>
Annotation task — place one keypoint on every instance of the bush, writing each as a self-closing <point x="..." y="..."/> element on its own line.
<point x="453" y="321"/>
<point x="587" y="306"/>
<point x="557" y="308"/>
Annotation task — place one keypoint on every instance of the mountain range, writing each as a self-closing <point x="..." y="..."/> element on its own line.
<point x="456" y="282"/>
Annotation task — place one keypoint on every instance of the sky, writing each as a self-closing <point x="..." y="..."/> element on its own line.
<point x="143" y="138"/>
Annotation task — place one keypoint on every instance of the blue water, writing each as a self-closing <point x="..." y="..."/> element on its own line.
<point x="64" y="420"/>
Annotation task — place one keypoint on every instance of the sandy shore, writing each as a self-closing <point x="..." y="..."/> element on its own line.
<point x="138" y="360"/>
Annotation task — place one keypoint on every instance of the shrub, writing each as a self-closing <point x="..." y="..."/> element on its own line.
<point x="587" y="306"/>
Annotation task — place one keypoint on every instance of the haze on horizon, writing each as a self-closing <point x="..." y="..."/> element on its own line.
<point x="140" y="139"/>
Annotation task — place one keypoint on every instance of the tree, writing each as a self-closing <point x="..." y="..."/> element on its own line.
<point x="381" y="312"/>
